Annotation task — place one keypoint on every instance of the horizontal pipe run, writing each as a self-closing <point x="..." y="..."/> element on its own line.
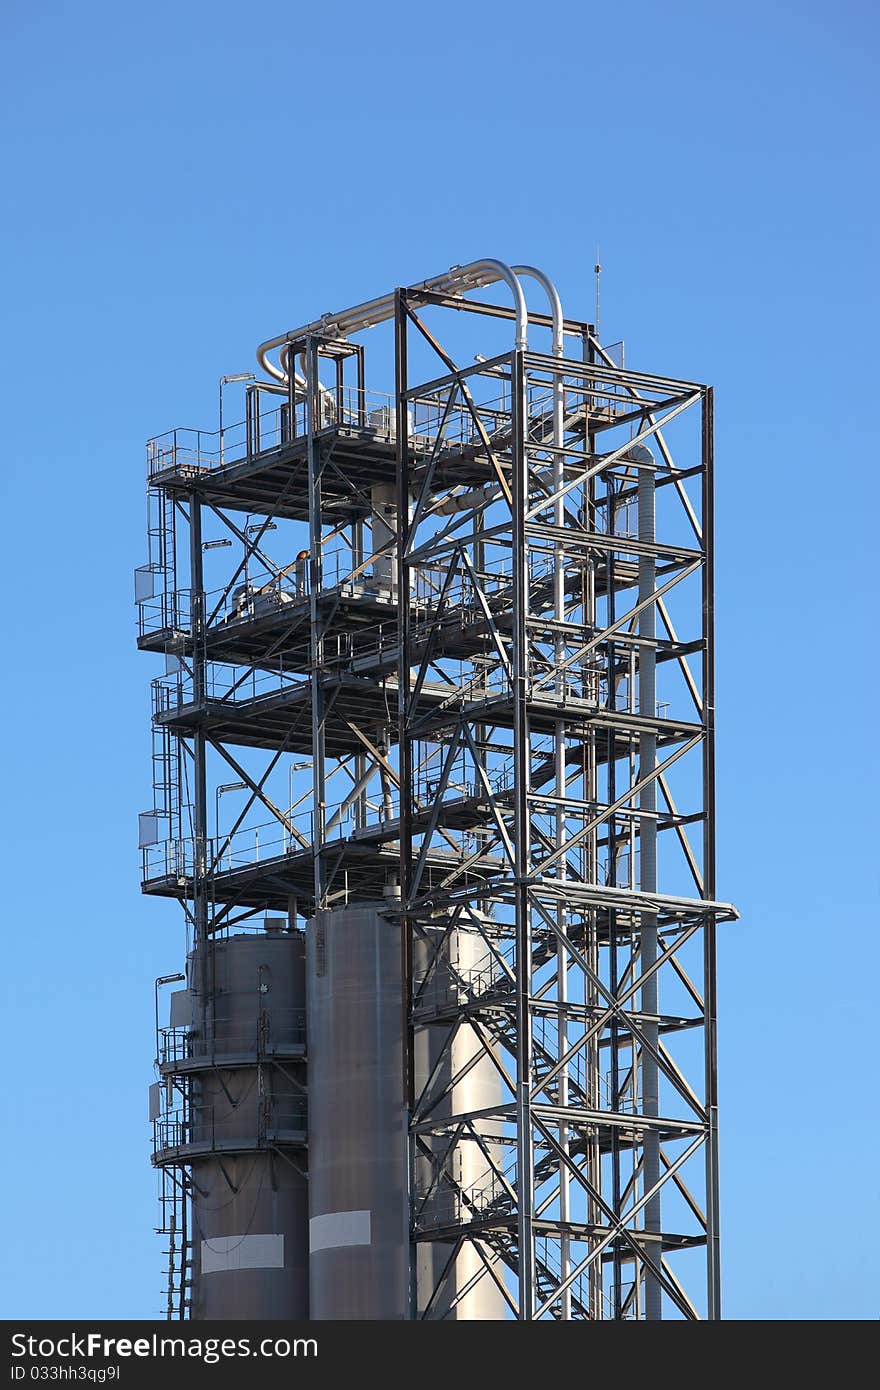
<point x="458" y="280"/>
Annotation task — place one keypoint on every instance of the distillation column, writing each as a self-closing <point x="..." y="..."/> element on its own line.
<point x="359" y="1185"/>
<point x="463" y="1079"/>
<point x="247" y="1116"/>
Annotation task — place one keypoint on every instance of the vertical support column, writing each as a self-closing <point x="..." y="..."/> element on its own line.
<point x="404" y="664"/>
<point x="200" y="799"/>
<point x="713" y="1234"/>
<point x="250" y="393"/>
<point x="561" y="828"/>
<point x="590" y="795"/>
<point x="361" y="388"/>
<point x="362" y="768"/>
<point x="614" y="973"/>
<point x="316" y="646"/>
<point x="647" y="665"/>
<point x="525" y="1179"/>
<point x="291" y="405"/>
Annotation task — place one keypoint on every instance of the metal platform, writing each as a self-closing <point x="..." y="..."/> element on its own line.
<point x="356" y="868"/>
<point x="275" y="481"/>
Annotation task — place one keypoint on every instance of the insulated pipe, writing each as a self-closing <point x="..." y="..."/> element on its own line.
<point x="552" y="294"/>
<point x="328" y="411"/>
<point x="456" y="280"/>
<point x="560" y="755"/>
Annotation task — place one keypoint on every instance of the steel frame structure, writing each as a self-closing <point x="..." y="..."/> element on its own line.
<point x="485" y="681"/>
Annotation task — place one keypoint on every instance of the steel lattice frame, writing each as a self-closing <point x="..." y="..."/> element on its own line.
<point x="601" y="1162"/>
<point x="551" y="825"/>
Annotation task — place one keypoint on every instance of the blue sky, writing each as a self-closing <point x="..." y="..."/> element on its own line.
<point x="183" y="180"/>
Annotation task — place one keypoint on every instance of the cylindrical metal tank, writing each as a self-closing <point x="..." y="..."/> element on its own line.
<point x="358" y="1151"/>
<point x="459" y="959"/>
<point x="358" y="1234"/>
<point x="247" y="1129"/>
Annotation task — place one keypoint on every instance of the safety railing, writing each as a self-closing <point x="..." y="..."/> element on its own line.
<point x="175" y="859"/>
<point x="186" y="450"/>
<point x="206" y="1127"/>
<point x="488" y="415"/>
<point x="628" y="1303"/>
<point x="365" y="648"/>
<point x="269" y="1032"/>
<point x="447" y="981"/>
<point x="623" y="872"/>
<point x="593" y="1088"/>
<point x="545" y="1029"/>
<point x="264" y="592"/>
<point x="448" y="1203"/>
<point x="224" y="683"/>
<point x="436" y="425"/>
<point x="169" y="610"/>
<point x="261" y="592"/>
<point x="548" y="1254"/>
<point x="445" y="1203"/>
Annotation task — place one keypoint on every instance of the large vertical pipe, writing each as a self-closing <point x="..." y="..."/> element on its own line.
<point x="405" y="756"/>
<point x="247" y="1107"/>
<point x="461" y="1289"/>
<point x="358" y="1118"/>
<point x="561" y="826"/>
<point x="358" y="1200"/>
<point x="525" y="1179"/>
<point x="648" y="866"/>
<point x="316" y="617"/>
<point x="560" y="760"/>
<point x="357" y="559"/>
<point x="561" y="774"/>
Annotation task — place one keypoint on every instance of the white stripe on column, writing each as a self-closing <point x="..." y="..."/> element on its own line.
<point x="242" y="1252"/>
<point x="337" y="1228"/>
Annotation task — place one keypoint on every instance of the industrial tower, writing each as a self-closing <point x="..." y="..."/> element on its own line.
<point x="433" y="766"/>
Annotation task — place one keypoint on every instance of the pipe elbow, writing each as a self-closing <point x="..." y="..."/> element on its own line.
<point x="552" y="294"/>
<point x="499" y="270"/>
<point x="457" y="280"/>
<point x="268" y="366"/>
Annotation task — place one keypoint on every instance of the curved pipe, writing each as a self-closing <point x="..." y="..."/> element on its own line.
<point x="463" y="501"/>
<point x="552" y="294"/>
<point x="457" y="280"/>
<point x="302" y="385"/>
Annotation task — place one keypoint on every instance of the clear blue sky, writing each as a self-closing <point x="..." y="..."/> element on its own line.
<point x="182" y="180"/>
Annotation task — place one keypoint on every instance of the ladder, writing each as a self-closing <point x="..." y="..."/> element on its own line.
<point x="173" y="1206"/>
<point x="162" y="551"/>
